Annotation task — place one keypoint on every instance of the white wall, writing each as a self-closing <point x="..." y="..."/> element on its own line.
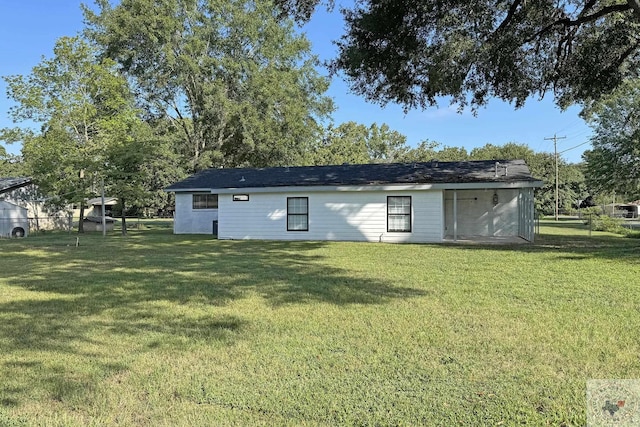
<point x="340" y="215"/>
<point x="192" y="221"/>
<point x="477" y="215"/>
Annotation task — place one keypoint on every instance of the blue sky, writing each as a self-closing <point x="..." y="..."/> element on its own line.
<point x="29" y="29"/>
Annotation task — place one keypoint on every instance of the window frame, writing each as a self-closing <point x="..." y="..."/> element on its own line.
<point x="409" y="214"/>
<point x="306" y="215"/>
<point x="207" y="203"/>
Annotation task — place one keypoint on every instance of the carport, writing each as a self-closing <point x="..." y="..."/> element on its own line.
<point x="498" y="212"/>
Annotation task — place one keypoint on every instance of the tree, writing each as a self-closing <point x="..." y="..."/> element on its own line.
<point x="356" y="143"/>
<point x="431" y="150"/>
<point x="10" y="164"/>
<point x="412" y="52"/>
<point x="56" y="163"/>
<point x="385" y="145"/>
<point x="165" y="167"/>
<point x="613" y="165"/>
<point x="237" y="81"/>
<point x="84" y="106"/>
<point x="124" y="172"/>
<point x="343" y="144"/>
<point x="542" y="165"/>
<point x="300" y="10"/>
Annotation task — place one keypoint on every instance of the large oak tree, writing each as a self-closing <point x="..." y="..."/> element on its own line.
<point x="412" y="52"/>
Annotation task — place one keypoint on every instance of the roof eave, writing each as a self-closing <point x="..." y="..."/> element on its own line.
<point x="366" y="187"/>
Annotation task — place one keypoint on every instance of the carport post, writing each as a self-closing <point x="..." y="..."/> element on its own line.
<point x="455" y="215"/>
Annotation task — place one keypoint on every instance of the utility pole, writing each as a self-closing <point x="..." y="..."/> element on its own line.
<point x="555" y="155"/>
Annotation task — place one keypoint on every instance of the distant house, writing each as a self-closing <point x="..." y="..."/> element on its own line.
<point x="14" y="219"/>
<point x="93" y="218"/>
<point x="387" y="202"/>
<point x="23" y="192"/>
<point x="623" y="210"/>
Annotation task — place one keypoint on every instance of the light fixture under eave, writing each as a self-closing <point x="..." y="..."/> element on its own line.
<point x="242" y="179"/>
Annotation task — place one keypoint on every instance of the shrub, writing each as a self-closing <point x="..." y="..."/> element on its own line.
<point x="608" y="224"/>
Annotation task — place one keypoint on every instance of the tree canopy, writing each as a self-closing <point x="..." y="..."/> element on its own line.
<point x="613" y="165"/>
<point x="85" y="109"/>
<point x="233" y="76"/>
<point x="412" y="52"/>
<point x="10" y="165"/>
<point x="355" y="143"/>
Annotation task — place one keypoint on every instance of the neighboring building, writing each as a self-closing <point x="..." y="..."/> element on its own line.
<point x="634" y="209"/>
<point x="93" y="218"/>
<point x="23" y="192"/>
<point x="14" y="221"/>
<point x="385" y="202"/>
<point x="10" y="187"/>
<point x="95" y="207"/>
<point x="622" y="210"/>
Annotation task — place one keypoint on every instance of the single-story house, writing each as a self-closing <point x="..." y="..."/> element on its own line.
<point x="383" y="202"/>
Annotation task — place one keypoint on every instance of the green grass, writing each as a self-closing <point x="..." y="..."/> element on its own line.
<point x="156" y="329"/>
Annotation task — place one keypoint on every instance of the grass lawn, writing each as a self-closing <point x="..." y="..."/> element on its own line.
<point x="156" y="329"/>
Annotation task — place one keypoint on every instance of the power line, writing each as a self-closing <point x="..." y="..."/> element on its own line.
<point x="555" y="139"/>
<point x="569" y="149"/>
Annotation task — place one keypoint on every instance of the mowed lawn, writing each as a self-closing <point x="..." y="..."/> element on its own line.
<point x="156" y="329"/>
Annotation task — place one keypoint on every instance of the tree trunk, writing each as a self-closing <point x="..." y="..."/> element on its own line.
<point x="37" y="218"/>
<point x="124" y="218"/>
<point x="81" y="223"/>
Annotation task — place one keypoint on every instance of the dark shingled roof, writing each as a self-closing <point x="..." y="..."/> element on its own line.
<point x="368" y="174"/>
<point x="9" y="184"/>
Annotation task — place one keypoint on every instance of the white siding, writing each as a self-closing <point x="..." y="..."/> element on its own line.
<point x="355" y="216"/>
<point x="192" y="221"/>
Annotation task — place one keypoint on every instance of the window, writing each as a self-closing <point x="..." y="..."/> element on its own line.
<point x="297" y="214"/>
<point x="399" y="213"/>
<point x="240" y="197"/>
<point x="205" y="201"/>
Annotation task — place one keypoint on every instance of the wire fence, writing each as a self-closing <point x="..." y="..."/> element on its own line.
<point x="18" y="226"/>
